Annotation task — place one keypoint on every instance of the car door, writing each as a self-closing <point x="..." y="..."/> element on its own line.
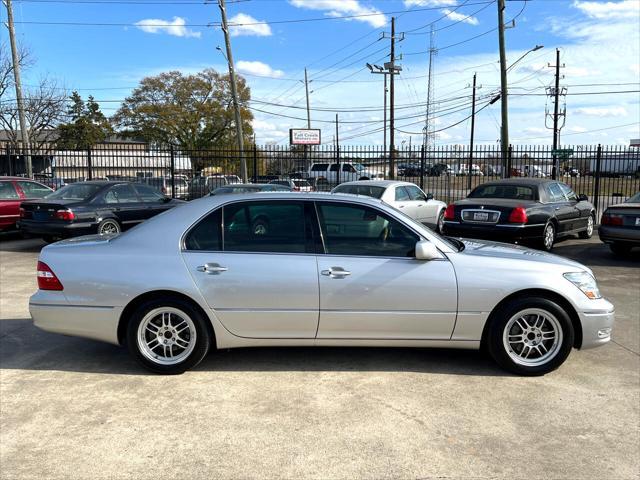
<point x="421" y="206"/>
<point x="371" y="285"/>
<point x="262" y="279"/>
<point x="579" y="213"/>
<point x="154" y="202"/>
<point x="563" y="209"/>
<point x="9" y="204"/>
<point x="403" y="202"/>
<point x="129" y="210"/>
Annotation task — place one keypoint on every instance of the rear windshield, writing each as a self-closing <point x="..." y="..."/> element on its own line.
<point x="634" y="199"/>
<point x="75" y="191"/>
<point x="512" y="192"/>
<point x="301" y="183"/>
<point x="367" y="190"/>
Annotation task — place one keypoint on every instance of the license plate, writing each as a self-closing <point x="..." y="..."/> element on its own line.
<point x="481" y="216"/>
<point x="637" y="221"/>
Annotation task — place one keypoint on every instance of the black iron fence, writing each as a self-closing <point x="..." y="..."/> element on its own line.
<point x="607" y="174"/>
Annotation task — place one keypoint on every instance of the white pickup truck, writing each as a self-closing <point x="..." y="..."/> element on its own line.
<point x="334" y="173"/>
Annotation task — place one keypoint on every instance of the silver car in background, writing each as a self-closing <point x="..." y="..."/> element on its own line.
<point x="405" y="196"/>
<point x="306" y="269"/>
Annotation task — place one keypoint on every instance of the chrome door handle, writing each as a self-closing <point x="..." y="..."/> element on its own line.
<point x="211" y="268"/>
<point x="335" y="272"/>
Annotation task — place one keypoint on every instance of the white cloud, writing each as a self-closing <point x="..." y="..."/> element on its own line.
<point x="602" y="111"/>
<point x="176" y="27"/>
<point x="455" y="16"/>
<point x="576" y="129"/>
<point x="263" y="125"/>
<point x="428" y="3"/>
<point x="258" y="68"/>
<point x="242" y="24"/>
<point x="534" y="130"/>
<point x="610" y="10"/>
<point x="339" y="8"/>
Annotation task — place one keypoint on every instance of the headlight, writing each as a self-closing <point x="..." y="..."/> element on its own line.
<point x="585" y="282"/>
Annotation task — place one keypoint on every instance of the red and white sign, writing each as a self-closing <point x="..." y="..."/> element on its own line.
<point x="304" y="136"/>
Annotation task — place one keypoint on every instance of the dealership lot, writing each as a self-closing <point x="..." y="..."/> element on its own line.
<point x="74" y="408"/>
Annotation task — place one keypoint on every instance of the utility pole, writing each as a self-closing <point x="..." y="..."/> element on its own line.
<point x="337" y="153"/>
<point x="473" y="124"/>
<point x="428" y="138"/>
<point x="555" y="93"/>
<point x="24" y="132"/>
<point x="234" y="92"/>
<point x="504" y="130"/>
<point x="306" y="86"/>
<point x="392" y="153"/>
<point x="381" y="71"/>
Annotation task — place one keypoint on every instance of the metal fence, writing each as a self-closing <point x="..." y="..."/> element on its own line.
<point x="607" y="174"/>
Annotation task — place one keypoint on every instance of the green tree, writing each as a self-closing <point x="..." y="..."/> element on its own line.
<point x="86" y="127"/>
<point x="193" y="112"/>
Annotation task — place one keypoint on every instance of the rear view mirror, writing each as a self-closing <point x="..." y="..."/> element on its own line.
<point x="426" y="251"/>
<point x="583" y="198"/>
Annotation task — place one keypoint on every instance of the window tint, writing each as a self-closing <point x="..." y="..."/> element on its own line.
<point x="148" y="194"/>
<point x="207" y="234"/>
<point x="124" y="193"/>
<point x="7" y="191"/>
<point x="319" y="167"/>
<point x="348" y="168"/>
<point x="363" y="231"/>
<point x="367" y="190"/>
<point x="265" y="227"/>
<point x="555" y="193"/>
<point x="402" y="195"/>
<point x="510" y="191"/>
<point x="334" y="167"/>
<point x="33" y="189"/>
<point x="415" y="193"/>
<point x="570" y="194"/>
<point x="76" y="191"/>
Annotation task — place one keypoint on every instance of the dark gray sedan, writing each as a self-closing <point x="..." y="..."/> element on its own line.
<point x="620" y="226"/>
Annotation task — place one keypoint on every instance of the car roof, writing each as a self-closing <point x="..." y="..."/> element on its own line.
<point x="18" y="178"/>
<point x="378" y="183"/>
<point x="525" y="181"/>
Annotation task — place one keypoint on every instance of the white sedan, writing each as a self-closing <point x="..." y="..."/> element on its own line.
<point x="405" y="196"/>
<point x="305" y="269"/>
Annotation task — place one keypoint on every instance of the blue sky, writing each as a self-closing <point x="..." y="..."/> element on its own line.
<point x="599" y="43"/>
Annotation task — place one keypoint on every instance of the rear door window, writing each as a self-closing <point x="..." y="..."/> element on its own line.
<point x="33" y="189"/>
<point x="148" y="194"/>
<point x="207" y="234"/>
<point x="555" y="193"/>
<point x="570" y="194"/>
<point x="319" y="167"/>
<point x="415" y="193"/>
<point x="402" y="195"/>
<point x="8" y="191"/>
<point x="124" y="193"/>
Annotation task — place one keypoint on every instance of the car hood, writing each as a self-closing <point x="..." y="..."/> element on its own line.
<point x="507" y="251"/>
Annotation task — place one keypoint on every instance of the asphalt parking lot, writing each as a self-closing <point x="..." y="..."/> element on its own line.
<point x="75" y="408"/>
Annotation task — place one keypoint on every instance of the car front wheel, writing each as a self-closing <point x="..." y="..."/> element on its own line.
<point x="168" y="336"/>
<point x="588" y="232"/>
<point x="531" y="336"/>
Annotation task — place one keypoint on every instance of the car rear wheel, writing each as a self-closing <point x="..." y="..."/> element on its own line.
<point x="531" y="336"/>
<point x="168" y="336"/>
<point x="109" y="226"/>
<point x="548" y="237"/>
<point x="588" y="232"/>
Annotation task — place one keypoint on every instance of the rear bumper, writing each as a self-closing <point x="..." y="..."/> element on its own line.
<point x="56" y="228"/>
<point x="493" y="232"/>
<point x="628" y="235"/>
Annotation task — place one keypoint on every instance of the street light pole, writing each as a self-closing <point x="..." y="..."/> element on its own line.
<point x="234" y="92"/>
<point x="504" y="128"/>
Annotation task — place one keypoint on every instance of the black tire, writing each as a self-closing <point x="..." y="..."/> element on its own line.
<point x="50" y="238"/>
<point x="440" y="222"/>
<point x="200" y="348"/>
<point x="548" y="237"/>
<point x="109" y="226"/>
<point x="500" y="319"/>
<point x="620" y="249"/>
<point x="588" y="233"/>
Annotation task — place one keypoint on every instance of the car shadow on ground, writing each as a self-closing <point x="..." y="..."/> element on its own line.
<point x="25" y="347"/>
<point x="595" y="254"/>
<point x="14" y="242"/>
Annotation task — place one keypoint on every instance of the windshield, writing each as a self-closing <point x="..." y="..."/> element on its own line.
<point x="634" y="199"/>
<point x="510" y="191"/>
<point x="75" y="191"/>
<point x="301" y="183"/>
<point x="366" y="190"/>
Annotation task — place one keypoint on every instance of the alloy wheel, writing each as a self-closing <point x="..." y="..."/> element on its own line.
<point x="549" y="236"/>
<point x="532" y="337"/>
<point x="108" y="228"/>
<point x="166" y="336"/>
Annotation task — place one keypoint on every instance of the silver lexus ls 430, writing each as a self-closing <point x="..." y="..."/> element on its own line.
<point x="305" y="269"/>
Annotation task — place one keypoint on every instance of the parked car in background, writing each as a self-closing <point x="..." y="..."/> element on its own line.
<point x="308" y="269"/>
<point x="491" y="170"/>
<point x="440" y="169"/>
<point x="92" y="207"/>
<point x="250" y="188"/>
<point x="620" y="226"/>
<point x="345" y="172"/>
<point x="521" y="210"/>
<point x="295" y="184"/>
<point x="406" y="197"/>
<point x="475" y="170"/>
<point x="534" y="171"/>
<point x="13" y="191"/>
<point x="203" y="185"/>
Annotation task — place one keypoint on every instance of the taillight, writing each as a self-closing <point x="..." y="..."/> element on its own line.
<point x="47" y="280"/>
<point x="65" y="215"/>
<point x="518" y="215"/>
<point x="609" y="219"/>
<point x="450" y="212"/>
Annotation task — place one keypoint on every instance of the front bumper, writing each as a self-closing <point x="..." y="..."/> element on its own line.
<point x="57" y="228"/>
<point x="628" y="235"/>
<point x="506" y="232"/>
<point x="597" y="324"/>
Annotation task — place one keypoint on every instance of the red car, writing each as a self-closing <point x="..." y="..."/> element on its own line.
<point x="13" y="191"/>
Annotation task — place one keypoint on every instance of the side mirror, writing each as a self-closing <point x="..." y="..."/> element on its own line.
<point x="583" y="198"/>
<point x="426" y="251"/>
<point x="429" y="196"/>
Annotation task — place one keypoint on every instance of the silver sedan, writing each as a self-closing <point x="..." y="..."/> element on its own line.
<point x="405" y="196"/>
<point x="284" y="269"/>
